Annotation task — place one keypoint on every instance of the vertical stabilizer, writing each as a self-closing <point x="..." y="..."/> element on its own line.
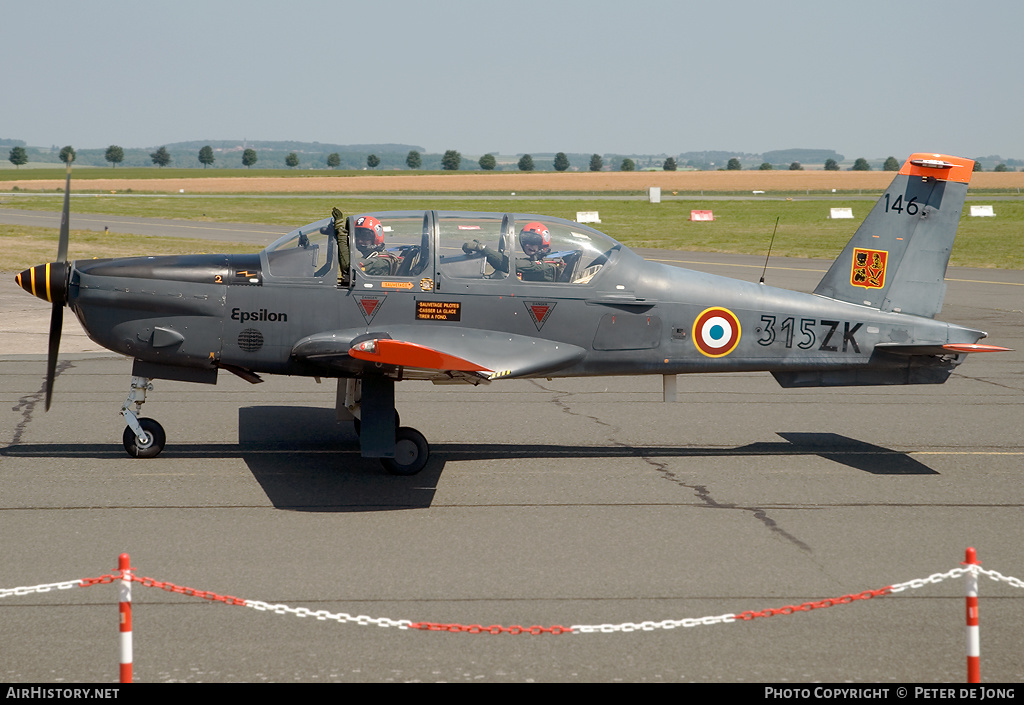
<point x="897" y="259"/>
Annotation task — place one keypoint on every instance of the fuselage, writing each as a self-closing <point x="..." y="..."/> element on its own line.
<point x="629" y="315"/>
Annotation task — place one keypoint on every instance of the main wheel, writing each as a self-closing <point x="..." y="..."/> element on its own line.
<point x="411" y="453"/>
<point x="155" y="440"/>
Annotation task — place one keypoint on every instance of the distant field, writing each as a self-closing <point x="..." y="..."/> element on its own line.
<point x="740" y="226"/>
<point x="690" y="182"/>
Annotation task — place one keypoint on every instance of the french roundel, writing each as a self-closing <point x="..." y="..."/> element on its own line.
<point x="716" y="332"/>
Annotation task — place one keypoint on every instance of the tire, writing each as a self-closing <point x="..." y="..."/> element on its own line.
<point x="154" y="433"/>
<point x="411" y="453"/>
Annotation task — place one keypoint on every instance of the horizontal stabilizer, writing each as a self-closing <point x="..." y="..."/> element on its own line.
<point x="912" y="363"/>
<point x="947" y="349"/>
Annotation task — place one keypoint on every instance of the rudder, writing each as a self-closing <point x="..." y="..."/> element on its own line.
<point x="896" y="261"/>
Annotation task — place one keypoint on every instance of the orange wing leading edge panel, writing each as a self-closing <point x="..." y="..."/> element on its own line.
<point x="939" y="166"/>
<point x="403" y="354"/>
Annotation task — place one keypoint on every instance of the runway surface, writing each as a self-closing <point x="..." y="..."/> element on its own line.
<point x="565" y="502"/>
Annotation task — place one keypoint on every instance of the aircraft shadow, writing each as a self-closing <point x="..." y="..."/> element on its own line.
<point x="858" y="455"/>
<point x="304" y="460"/>
<point x="297" y="481"/>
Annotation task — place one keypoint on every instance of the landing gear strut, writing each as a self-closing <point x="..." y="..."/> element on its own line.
<point x="142" y="438"/>
<point x="370" y="403"/>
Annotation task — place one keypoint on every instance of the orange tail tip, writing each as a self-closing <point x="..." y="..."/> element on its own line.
<point x="939" y="166"/>
<point x="974" y="347"/>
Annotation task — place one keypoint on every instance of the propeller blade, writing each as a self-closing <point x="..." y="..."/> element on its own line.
<point x="57" y="314"/>
<point x="62" y="244"/>
<point x="56" y="323"/>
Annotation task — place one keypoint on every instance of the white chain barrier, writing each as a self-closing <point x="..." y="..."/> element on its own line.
<point x="19" y="591"/>
<point x="625" y="627"/>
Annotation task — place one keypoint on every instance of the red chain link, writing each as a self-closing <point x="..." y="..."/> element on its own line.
<point x="493" y="629"/>
<point x="202" y="594"/>
<point x="807" y="606"/>
<point x="102" y="580"/>
<point x="168" y="587"/>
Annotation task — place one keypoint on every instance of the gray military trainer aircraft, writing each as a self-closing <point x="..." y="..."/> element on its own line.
<point x="473" y="298"/>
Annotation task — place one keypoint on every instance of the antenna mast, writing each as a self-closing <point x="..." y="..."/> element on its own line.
<point x="772" y="242"/>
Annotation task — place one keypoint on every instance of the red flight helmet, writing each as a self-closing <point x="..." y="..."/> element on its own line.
<point x="369" y="228"/>
<point x="536" y="234"/>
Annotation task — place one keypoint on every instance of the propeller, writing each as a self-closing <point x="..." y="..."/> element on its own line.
<point x="57" y="313"/>
<point x="50" y="283"/>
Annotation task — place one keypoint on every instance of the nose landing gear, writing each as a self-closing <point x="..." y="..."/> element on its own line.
<point x="142" y="438"/>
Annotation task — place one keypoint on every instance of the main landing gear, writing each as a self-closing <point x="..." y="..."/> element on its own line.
<point x="370" y="404"/>
<point x="143" y="438"/>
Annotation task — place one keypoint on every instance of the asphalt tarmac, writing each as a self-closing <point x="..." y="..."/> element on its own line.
<point x="564" y="502"/>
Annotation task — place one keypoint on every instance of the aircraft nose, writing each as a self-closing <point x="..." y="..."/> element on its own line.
<point x="48" y="282"/>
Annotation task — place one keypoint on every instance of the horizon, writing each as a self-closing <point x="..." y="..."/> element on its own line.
<point x="403" y="149"/>
<point x="469" y="162"/>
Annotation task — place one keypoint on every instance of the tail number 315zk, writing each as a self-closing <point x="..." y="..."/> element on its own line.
<point x="787" y="332"/>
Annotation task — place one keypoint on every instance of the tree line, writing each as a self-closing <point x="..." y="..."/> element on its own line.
<point x="451" y="160"/>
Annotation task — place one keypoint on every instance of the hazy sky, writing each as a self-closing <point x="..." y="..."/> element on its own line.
<point x="864" y="77"/>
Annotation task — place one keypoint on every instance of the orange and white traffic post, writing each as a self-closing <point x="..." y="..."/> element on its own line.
<point x="125" y="613"/>
<point x="973" y="638"/>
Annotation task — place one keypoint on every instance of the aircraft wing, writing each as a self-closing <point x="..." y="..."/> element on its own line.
<point x="442" y="355"/>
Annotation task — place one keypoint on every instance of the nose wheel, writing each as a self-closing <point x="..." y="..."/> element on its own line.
<point x="155" y="438"/>
<point x="142" y="438"/>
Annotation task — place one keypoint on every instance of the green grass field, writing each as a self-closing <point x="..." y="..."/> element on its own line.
<point x="23" y="247"/>
<point x="740" y="226"/>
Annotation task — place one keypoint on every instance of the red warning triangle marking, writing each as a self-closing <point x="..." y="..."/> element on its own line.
<point x="539" y="311"/>
<point x="368" y="305"/>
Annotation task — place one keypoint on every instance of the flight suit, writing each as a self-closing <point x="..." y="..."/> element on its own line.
<point x="528" y="269"/>
<point x="379" y="264"/>
<point x="341" y="235"/>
